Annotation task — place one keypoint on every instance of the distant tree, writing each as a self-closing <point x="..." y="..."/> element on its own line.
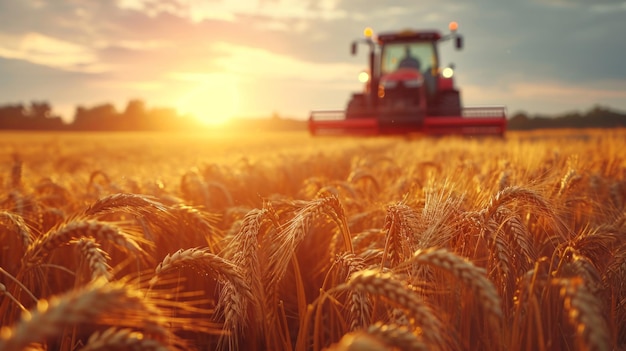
<point x="12" y="116"/>
<point x="99" y="117"/>
<point x="40" y="117"/>
<point x="40" y="110"/>
<point x="519" y="121"/>
<point x="596" y="117"/>
<point x="135" y="115"/>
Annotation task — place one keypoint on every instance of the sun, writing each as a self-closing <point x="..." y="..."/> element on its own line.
<point x="213" y="101"/>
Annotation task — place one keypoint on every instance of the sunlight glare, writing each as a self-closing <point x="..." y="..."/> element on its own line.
<point x="213" y="101"/>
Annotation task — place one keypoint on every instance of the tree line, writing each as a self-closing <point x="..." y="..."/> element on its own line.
<point x="136" y="116"/>
<point x="596" y="117"/>
<point x="38" y="115"/>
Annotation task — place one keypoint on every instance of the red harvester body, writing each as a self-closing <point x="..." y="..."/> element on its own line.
<point x="406" y="91"/>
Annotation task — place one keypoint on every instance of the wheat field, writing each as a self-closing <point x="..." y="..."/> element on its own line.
<point x="283" y="242"/>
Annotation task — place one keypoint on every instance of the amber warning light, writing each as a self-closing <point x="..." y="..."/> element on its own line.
<point x="453" y="26"/>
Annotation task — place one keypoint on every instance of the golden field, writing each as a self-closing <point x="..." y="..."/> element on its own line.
<point x="282" y="241"/>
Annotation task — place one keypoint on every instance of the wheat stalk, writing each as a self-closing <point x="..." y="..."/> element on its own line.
<point x="16" y="171"/>
<point x="358" y="304"/>
<point x="569" y="180"/>
<point x="92" y="180"/>
<point x="95" y="301"/>
<point x="125" y="201"/>
<point x="397" y="336"/>
<point x="197" y="223"/>
<point x="14" y="223"/>
<point x="16" y="203"/>
<point x="398" y="293"/>
<point x="120" y="236"/>
<point x="585" y="312"/>
<point x="358" y="341"/>
<point x="122" y="339"/>
<point x="244" y="250"/>
<point x="520" y="238"/>
<point x="291" y="235"/>
<point x="204" y="261"/>
<point x="96" y="258"/>
<point x="5" y="292"/>
<point x="400" y="224"/>
<point x="517" y="193"/>
<point x="471" y="275"/>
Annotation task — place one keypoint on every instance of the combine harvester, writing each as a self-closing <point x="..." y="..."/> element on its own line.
<point x="407" y="91"/>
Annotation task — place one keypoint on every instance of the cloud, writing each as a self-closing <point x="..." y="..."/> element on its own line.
<point x="48" y="51"/>
<point x="199" y="10"/>
<point x="584" y="3"/>
<point x="252" y="62"/>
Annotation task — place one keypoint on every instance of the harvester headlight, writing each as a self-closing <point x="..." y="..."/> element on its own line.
<point x="364" y="77"/>
<point x="447" y="72"/>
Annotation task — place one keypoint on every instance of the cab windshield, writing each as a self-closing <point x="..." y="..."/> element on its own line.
<point x="418" y="55"/>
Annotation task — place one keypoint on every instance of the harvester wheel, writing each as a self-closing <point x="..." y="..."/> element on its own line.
<point x="449" y="104"/>
<point x="356" y="106"/>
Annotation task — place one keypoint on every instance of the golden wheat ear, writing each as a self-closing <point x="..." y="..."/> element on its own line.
<point x="359" y="341"/>
<point x="96" y="260"/>
<point x="122" y="339"/>
<point x="98" y="301"/>
<point x="358" y="305"/>
<point x="471" y="275"/>
<point x="397" y="336"/>
<point x="399" y="294"/>
<point x="124" y="201"/>
<point x="195" y="225"/>
<point x="15" y="224"/>
<point x="295" y="231"/>
<point x="518" y="193"/>
<point x="16" y="235"/>
<point x="586" y="313"/>
<point x="125" y="237"/>
<point x="206" y="262"/>
<point x="400" y="225"/>
<point x="238" y="312"/>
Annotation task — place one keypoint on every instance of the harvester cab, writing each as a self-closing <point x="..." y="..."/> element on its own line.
<point x="406" y="90"/>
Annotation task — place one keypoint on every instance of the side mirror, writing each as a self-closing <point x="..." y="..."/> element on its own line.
<point x="353" y="48"/>
<point x="459" y="42"/>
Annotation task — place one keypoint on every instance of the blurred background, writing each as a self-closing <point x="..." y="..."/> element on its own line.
<point x="221" y="60"/>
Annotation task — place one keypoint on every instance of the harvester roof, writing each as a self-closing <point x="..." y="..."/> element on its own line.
<point x="409" y="35"/>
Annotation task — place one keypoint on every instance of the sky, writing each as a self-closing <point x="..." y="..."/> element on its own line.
<point x="256" y="58"/>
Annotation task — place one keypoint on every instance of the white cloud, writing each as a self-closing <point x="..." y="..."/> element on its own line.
<point x="129" y="85"/>
<point x="138" y="45"/>
<point x="199" y="10"/>
<point x="268" y="65"/>
<point x="602" y="6"/>
<point x="609" y="8"/>
<point x="197" y="77"/>
<point x="48" y="51"/>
